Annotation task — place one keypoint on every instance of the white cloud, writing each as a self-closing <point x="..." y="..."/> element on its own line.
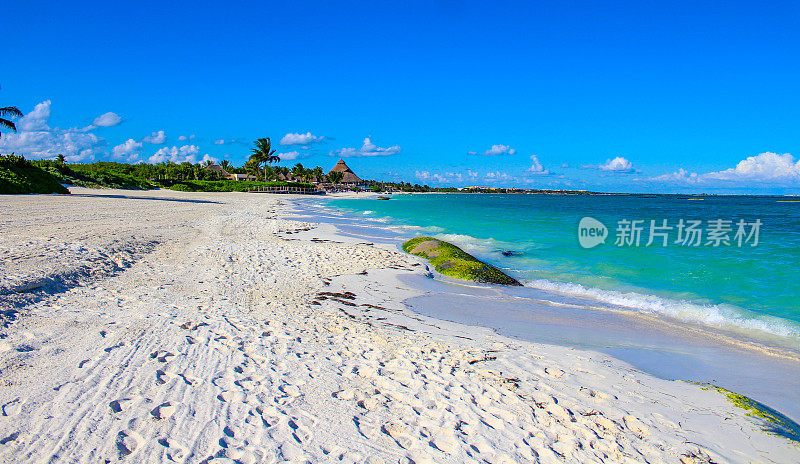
<point x="107" y="120"/>
<point x="156" y="138"/>
<point x="300" y="139"/>
<point x="536" y="166"/>
<point x="446" y="177"/>
<point x="36" y="120"/>
<point x="36" y="139"/>
<point x="681" y="175"/>
<point x="765" y="168"/>
<point x="564" y="166"/>
<point x="291" y="155"/>
<point x="761" y="168"/>
<point x="498" y="176"/>
<point x="618" y="164"/>
<point x="496" y="150"/>
<point x="367" y="149"/>
<point x="128" y="151"/>
<point x="227" y="142"/>
<point x="422" y="175"/>
<point x="186" y="137"/>
<point x="177" y="154"/>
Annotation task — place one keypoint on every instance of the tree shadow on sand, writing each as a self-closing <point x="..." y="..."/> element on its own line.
<point x="129" y="197"/>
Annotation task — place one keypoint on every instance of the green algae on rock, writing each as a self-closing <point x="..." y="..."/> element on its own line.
<point x="452" y="261"/>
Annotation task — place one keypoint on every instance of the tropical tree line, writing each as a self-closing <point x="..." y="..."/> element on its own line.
<point x="259" y="164"/>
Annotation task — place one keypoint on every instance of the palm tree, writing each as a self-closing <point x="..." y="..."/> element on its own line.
<point x="264" y="154"/>
<point x="335" y="177"/>
<point x="251" y="166"/>
<point x="226" y="165"/>
<point x="298" y="171"/>
<point x="269" y="173"/>
<point x="9" y="112"/>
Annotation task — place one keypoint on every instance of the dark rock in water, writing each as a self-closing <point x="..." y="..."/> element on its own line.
<point x="510" y="253"/>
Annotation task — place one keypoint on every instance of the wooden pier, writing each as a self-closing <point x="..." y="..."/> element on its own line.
<point x="287" y="190"/>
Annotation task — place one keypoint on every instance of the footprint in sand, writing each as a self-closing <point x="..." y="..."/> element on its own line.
<point x="175" y="452"/>
<point x="162" y="356"/>
<point x="229" y="396"/>
<point x="13" y="407"/>
<point x="554" y="372"/>
<point x="345" y="394"/>
<point x="163" y="377"/>
<point x="191" y="325"/>
<point x="291" y="390"/>
<point x="163" y="411"/>
<point x="120" y="404"/>
<point x="128" y="441"/>
<point x="301" y="433"/>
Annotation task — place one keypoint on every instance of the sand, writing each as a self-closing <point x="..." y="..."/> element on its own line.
<point x="165" y="326"/>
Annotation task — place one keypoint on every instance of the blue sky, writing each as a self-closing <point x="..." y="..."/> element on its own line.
<point x="615" y="96"/>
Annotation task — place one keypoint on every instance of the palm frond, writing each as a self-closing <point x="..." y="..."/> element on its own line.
<point x="5" y="123"/>
<point x="11" y="111"/>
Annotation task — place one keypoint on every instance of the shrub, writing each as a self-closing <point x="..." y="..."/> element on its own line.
<point x="18" y="175"/>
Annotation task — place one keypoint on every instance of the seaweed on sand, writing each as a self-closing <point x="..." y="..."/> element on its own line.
<point x="770" y="420"/>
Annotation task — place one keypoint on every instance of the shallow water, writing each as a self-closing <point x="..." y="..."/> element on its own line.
<point x="747" y="288"/>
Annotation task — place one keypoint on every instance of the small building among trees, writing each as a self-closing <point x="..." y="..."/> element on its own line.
<point x="348" y="176"/>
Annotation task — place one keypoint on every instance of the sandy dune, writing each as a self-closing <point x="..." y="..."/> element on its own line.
<point x="176" y="327"/>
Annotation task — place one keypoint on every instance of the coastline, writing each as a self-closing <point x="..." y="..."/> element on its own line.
<point x="235" y="337"/>
<point x="762" y="367"/>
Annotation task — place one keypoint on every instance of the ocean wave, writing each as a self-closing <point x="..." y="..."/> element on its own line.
<point x="723" y="316"/>
<point x="474" y="245"/>
<point x="428" y="229"/>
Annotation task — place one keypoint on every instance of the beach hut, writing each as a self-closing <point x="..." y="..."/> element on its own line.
<point x="223" y="174"/>
<point x="348" y="176"/>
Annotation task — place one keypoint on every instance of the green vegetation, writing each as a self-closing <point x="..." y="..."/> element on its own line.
<point x="183" y="177"/>
<point x="336" y="177"/>
<point x="103" y="174"/>
<point x="771" y="420"/>
<point x="18" y="175"/>
<point x="263" y="154"/>
<point x="452" y="261"/>
<point x="225" y="185"/>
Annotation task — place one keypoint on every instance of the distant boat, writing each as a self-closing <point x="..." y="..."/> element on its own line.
<point x="384" y="198"/>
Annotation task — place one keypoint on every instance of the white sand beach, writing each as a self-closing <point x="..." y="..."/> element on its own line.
<point x="161" y="326"/>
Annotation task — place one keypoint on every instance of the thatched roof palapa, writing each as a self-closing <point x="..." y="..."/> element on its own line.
<point x="348" y="176"/>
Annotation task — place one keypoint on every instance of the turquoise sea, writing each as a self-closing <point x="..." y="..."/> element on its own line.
<point x="740" y="287"/>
